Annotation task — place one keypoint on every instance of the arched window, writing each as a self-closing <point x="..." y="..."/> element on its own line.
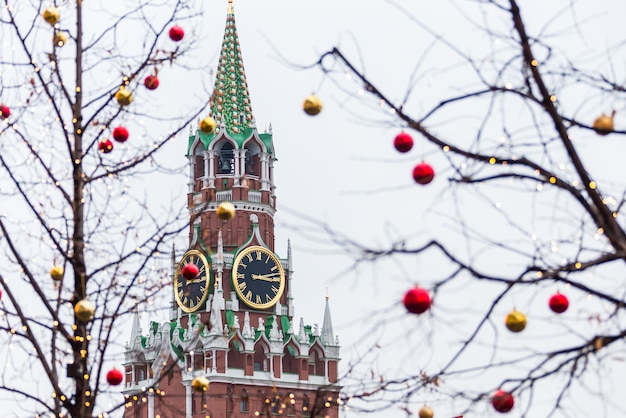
<point x="235" y="357"/>
<point x="261" y="362"/>
<point x="225" y="163"/>
<point x="253" y="159"/>
<point x="316" y="364"/>
<point x="229" y="398"/>
<point x="198" y="168"/>
<point x="244" y="402"/>
<point x="290" y="363"/>
<point x="306" y="408"/>
<point x="290" y="405"/>
<point x="277" y="404"/>
<point x="264" y="404"/>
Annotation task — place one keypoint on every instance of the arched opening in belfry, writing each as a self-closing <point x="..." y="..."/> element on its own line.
<point x="253" y="159"/>
<point x="226" y="158"/>
<point x="198" y="168"/>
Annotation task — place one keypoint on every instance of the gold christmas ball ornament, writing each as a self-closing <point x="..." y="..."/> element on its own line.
<point x="124" y="97"/>
<point x="515" y="321"/>
<point x="426" y="412"/>
<point x="312" y="105"/>
<point x="207" y="125"/>
<point x="59" y="38"/>
<point x="84" y="310"/>
<point x="200" y="384"/>
<point x="604" y="125"/>
<point x="51" y="15"/>
<point x="225" y="211"/>
<point x="56" y="273"/>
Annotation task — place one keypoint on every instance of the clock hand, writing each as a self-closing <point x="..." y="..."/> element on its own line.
<point x="268" y="275"/>
<point x="265" y="277"/>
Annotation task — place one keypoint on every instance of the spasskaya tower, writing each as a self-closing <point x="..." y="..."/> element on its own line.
<point x="232" y="347"/>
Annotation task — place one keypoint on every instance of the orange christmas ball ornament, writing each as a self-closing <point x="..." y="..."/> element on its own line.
<point x="417" y="300"/>
<point x="426" y="412"/>
<point x="84" y="310"/>
<point x="423" y="173"/>
<point x="200" y="384"/>
<point x="51" y="15"/>
<point x="56" y="273"/>
<point x="515" y="321"/>
<point x="59" y="38"/>
<point x="105" y="146"/>
<point x="124" y="97"/>
<point x="207" y="125"/>
<point x="115" y="377"/>
<point x="312" y="105"/>
<point x="604" y="125"/>
<point x="502" y="401"/>
<point x="225" y="211"/>
<point x="5" y="112"/>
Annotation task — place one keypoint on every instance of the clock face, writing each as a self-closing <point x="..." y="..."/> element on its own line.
<point x="258" y="277"/>
<point x="191" y="282"/>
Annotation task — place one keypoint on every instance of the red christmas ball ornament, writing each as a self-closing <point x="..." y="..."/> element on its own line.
<point x="417" y="300"/>
<point x="5" y="112"/>
<point x="558" y="303"/>
<point x="115" y="377"/>
<point x="151" y="82"/>
<point x="423" y="173"/>
<point x="403" y="142"/>
<point x="502" y="401"/>
<point x="190" y="271"/>
<point x="176" y="33"/>
<point x="120" y="134"/>
<point x="105" y="146"/>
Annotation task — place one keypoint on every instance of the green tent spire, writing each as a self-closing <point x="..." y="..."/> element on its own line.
<point x="230" y="102"/>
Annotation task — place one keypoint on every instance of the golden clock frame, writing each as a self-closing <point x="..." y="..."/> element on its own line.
<point x="177" y="275"/>
<point x="243" y="253"/>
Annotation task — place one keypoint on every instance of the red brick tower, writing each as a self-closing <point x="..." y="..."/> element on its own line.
<point x="232" y="315"/>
